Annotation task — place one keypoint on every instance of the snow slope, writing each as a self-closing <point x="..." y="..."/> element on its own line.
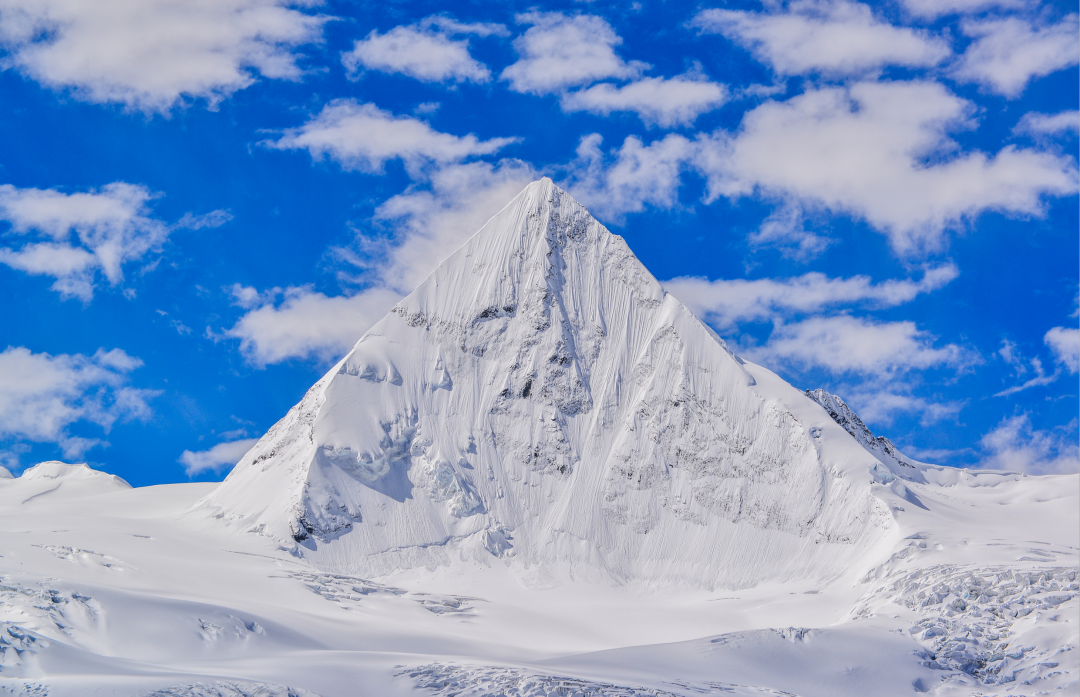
<point x="541" y="396"/>
<point x="541" y="476"/>
<point x="119" y="593"/>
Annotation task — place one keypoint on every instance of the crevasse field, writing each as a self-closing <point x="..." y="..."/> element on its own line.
<point x="540" y="474"/>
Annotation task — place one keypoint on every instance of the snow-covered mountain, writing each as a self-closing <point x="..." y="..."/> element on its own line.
<point x="541" y="396"/>
<point x="541" y="475"/>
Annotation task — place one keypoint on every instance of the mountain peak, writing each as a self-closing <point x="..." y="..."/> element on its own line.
<point x="541" y="398"/>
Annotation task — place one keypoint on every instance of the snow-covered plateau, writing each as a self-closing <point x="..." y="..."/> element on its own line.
<point x="541" y="475"/>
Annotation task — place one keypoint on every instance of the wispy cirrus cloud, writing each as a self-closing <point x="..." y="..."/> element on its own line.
<point x="1039" y="379"/>
<point x="785" y="230"/>
<point x="1064" y="345"/>
<point x="150" y="55"/>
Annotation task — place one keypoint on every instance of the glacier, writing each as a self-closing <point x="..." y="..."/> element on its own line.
<point x="541" y="475"/>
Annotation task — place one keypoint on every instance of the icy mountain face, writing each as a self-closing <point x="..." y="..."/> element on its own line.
<point x="542" y="399"/>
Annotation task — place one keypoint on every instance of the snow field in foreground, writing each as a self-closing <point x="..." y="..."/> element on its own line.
<point x="119" y="593"/>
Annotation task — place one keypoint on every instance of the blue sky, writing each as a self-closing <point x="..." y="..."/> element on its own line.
<point x="203" y="204"/>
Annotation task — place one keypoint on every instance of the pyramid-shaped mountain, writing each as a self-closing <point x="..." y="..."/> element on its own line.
<point x="541" y="399"/>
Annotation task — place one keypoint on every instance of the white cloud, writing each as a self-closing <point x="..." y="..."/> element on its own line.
<point x="938" y="456"/>
<point x="850" y="345"/>
<point x="636" y="176"/>
<point x="364" y="137"/>
<point x="1017" y="447"/>
<point x="1040" y="379"/>
<point x="248" y="297"/>
<point x="452" y="26"/>
<point x="70" y="266"/>
<point x="86" y="232"/>
<point x="41" y="395"/>
<point x="880" y="151"/>
<point x="724" y="303"/>
<point x="832" y="37"/>
<point x="1035" y="123"/>
<point x="1008" y="53"/>
<point x="208" y="220"/>
<point x="424" y="51"/>
<point x="560" y="51"/>
<point x="784" y="230"/>
<point x="216" y="458"/>
<point x="665" y="102"/>
<point x="307" y="324"/>
<point x="1065" y="344"/>
<point x="937" y="8"/>
<point x="1009" y="354"/>
<point x="150" y="54"/>
<point x="881" y="406"/>
<point x="758" y="91"/>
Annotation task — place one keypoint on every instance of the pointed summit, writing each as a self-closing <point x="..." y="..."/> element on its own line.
<point x="541" y="398"/>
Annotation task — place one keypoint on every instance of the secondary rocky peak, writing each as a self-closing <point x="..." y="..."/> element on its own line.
<point x="878" y="446"/>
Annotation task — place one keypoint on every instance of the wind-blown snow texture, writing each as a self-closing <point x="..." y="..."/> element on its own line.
<point x="540" y="395"/>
